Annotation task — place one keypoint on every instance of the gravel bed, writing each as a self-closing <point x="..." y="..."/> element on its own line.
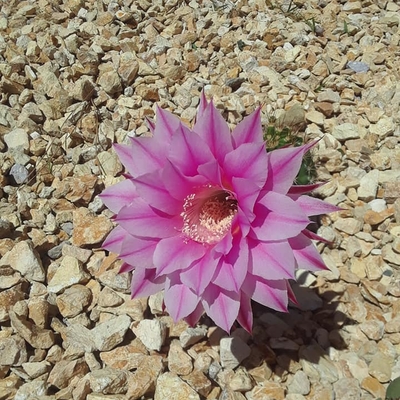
<point x="77" y="76"/>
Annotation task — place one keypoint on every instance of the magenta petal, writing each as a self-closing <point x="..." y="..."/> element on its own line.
<point x="139" y="219"/>
<point x="180" y="301"/>
<point x="245" y="316"/>
<point x="199" y="275"/>
<point x="119" y="195"/>
<point x="272" y="294"/>
<point x="212" y="172"/>
<point x="215" y="132"/>
<point x="178" y="185"/>
<point x="283" y="166"/>
<point x="314" y="236"/>
<point x="278" y="217"/>
<point x="291" y="295"/>
<point x="313" y="206"/>
<point x="152" y="190"/>
<point x="306" y="254"/>
<point x="297" y="190"/>
<point x="233" y="267"/>
<point x="248" y="161"/>
<point x="126" y="268"/>
<point x="224" y="277"/>
<point x="144" y="283"/>
<point x="272" y="260"/>
<point x="188" y="150"/>
<point x="193" y="318"/>
<point x="249" y="130"/>
<point x="151" y="124"/>
<point x="246" y="193"/>
<point x="138" y="252"/>
<point x="114" y="240"/>
<point x="166" y="125"/>
<point x="221" y="306"/>
<point x="175" y="253"/>
<point x="202" y="108"/>
<point x="143" y="155"/>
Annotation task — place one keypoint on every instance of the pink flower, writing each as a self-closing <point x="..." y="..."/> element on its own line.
<point x="212" y="218"/>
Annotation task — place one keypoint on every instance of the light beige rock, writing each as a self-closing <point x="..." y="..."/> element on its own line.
<point x="178" y="361"/>
<point x="38" y="338"/>
<point x="69" y="273"/>
<point x="25" y="259"/>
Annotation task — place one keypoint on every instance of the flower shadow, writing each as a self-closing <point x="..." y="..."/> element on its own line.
<point x="302" y="338"/>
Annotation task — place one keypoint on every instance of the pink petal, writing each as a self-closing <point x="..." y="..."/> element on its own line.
<point x="278" y="217"/>
<point x="215" y="132"/>
<point x="283" y="166"/>
<point x="202" y="106"/>
<point x="138" y="252"/>
<point x="246" y="193"/>
<point x="249" y="130"/>
<point x="166" y="125"/>
<point x="126" y="268"/>
<point x="143" y="155"/>
<point x="232" y="269"/>
<point x="212" y="172"/>
<point x="178" y="185"/>
<point x="225" y="278"/>
<point x="144" y="283"/>
<point x="245" y="316"/>
<point x="180" y="301"/>
<point x="193" y="318"/>
<point x="199" y="275"/>
<point x="151" y="189"/>
<point x="188" y="150"/>
<point x="114" y="240"/>
<point x="297" y="190"/>
<point x="151" y="125"/>
<point x="272" y="260"/>
<point x="175" y="253"/>
<point x="221" y="306"/>
<point x="225" y="244"/>
<point x="139" y="219"/>
<point x="313" y="206"/>
<point x="248" y="161"/>
<point x="272" y="294"/>
<point x="306" y="254"/>
<point x="291" y="295"/>
<point x="314" y="236"/>
<point x="119" y="195"/>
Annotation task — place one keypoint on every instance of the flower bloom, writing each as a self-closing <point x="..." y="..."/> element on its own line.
<point x="212" y="218"/>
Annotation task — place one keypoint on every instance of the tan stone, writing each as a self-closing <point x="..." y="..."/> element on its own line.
<point x="88" y="228"/>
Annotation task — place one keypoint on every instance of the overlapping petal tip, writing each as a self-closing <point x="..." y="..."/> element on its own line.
<point x="221" y="305"/>
<point x="277" y="218"/>
<point x="115" y="240"/>
<point x="141" y="220"/>
<point x="249" y="130"/>
<point x="119" y="195"/>
<point x="283" y="166"/>
<point x="215" y="132"/>
<point x="188" y="150"/>
<point x="180" y="300"/>
<point x="312" y="206"/>
<point x="306" y="254"/>
<point x="145" y="283"/>
<point x="166" y="125"/>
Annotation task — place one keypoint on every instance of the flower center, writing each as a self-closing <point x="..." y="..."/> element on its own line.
<point x="207" y="215"/>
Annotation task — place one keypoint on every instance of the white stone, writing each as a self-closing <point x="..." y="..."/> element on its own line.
<point x="368" y="186"/>
<point x="152" y="333"/>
